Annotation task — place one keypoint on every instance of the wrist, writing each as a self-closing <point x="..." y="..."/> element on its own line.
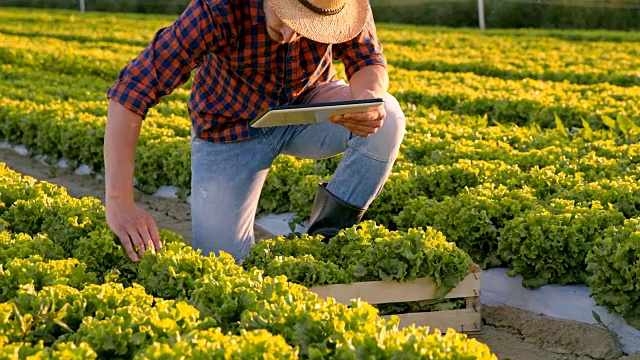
<point x="119" y="199"/>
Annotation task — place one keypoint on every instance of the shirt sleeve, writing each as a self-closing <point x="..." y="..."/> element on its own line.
<point x="363" y="50"/>
<point x="169" y="58"/>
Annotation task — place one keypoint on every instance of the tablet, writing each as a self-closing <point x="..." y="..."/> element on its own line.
<point x="311" y="113"/>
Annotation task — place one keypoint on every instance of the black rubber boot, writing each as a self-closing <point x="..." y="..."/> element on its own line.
<point x="329" y="214"/>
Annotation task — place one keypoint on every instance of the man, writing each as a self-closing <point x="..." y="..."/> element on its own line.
<point x="250" y="55"/>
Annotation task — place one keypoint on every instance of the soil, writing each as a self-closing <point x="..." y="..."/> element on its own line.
<point x="511" y="333"/>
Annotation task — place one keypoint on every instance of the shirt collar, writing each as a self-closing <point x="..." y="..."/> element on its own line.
<point x="256" y="10"/>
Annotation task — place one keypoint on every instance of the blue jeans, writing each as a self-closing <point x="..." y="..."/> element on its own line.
<point x="226" y="179"/>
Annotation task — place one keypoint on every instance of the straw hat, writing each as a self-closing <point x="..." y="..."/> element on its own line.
<point x="325" y="21"/>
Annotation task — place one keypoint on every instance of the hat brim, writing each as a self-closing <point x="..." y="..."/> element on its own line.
<point x="327" y="29"/>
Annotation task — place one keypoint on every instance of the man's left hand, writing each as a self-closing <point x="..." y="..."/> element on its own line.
<point x="362" y="124"/>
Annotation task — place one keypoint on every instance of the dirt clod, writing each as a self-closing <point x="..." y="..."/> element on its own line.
<point x="558" y="336"/>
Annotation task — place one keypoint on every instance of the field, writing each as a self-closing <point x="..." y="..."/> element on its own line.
<point x="521" y="149"/>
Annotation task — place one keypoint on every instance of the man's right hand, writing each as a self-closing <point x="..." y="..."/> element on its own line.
<point x="134" y="227"/>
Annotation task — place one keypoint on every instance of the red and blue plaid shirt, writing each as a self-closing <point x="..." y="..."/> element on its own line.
<point x="240" y="71"/>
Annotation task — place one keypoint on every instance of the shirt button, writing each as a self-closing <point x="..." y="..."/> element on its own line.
<point x="291" y="59"/>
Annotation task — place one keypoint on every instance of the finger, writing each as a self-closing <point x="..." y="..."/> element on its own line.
<point x="126" y="244"/>
<point x="356" y="117"/>
<point x="359" y="117"/>
<point x="366" y="122"/>
<point x="362" y="131"/>
<point x="137" y="242"/>
<point x="155" y="236"/>
<point x="362" y="117"/>
<point x="361" y="128"/>
<point x="374" y="114"/>
<point x="352" y="124"/>
<point x="363" y="125"/>
<point x="145" y="236"/>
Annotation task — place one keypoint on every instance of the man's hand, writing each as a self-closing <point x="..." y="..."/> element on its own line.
<point x="362" y="123"/>
<point x="134" y="227"/>
<point x="370" y="82"/>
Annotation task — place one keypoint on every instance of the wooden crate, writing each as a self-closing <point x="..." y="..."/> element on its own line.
<point x="467" y="320"/>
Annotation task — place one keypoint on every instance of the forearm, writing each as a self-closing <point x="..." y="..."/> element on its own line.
<point x="369" y="82"/>
<point x="120" y="140"/>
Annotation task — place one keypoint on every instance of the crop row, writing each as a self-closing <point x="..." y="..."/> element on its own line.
<point x="506" y="101"/>
<point x="83" y="92"/>
<point x="515" y="101"/>
<point x="514" y="57"/>
<point x="84" y="28"/>
<point x="69" y="290"/>
<point x="99" y="59"/>
<point x="535" y="54"/>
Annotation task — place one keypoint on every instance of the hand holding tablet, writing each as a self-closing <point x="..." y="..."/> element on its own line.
<point x="312" y="113"/>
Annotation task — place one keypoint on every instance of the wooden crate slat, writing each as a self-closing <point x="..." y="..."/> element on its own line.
<point x="468" y="320"/>
<point x="463" y="320"/>
<point x="382" y="292"/>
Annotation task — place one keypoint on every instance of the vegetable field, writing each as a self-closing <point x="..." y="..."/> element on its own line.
<point x="522" y="150"/>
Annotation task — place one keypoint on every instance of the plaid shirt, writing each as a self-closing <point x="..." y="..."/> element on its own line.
<point x="240" y="71"/>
